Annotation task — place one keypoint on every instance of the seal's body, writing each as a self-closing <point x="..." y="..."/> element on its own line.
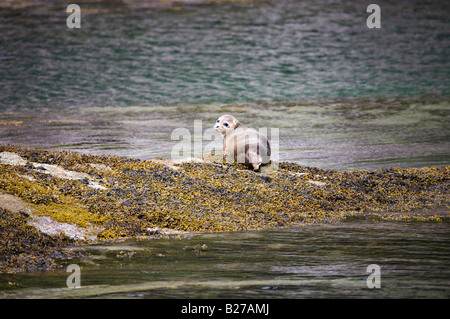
<point x="243" y="144"/>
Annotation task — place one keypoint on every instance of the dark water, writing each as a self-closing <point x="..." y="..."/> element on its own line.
<point x="266" y="50"/>
<point x="327" y="261"/>
<point x="342" y="96"/>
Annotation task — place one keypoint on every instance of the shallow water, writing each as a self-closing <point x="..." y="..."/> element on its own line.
<point x="325" y="261"/>
<point x="337" y="134"/>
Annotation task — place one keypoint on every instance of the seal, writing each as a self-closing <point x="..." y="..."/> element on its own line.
<point x="242" y="144"/>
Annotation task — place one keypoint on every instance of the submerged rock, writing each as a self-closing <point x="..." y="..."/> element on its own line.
<point x="88" y="197"/>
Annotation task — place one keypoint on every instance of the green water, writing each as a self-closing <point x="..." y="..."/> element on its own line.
<point x="201" y="53"/>
<point x="326" y="261"/>
<point x="342" y="96"/>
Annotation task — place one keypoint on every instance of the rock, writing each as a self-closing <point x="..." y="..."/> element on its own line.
<point x="317" y="183"/>
<point x="10" y="158"/>
<point x="165" y="198"/>
<point x="46" y="224"/>
<point x="157" y="231"/>
<point x="50" y="227"/>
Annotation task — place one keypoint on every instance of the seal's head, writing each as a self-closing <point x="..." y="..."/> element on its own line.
<point x="226" y="123"/>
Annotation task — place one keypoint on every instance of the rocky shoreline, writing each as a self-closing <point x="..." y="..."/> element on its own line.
<point x="53" y="200"/>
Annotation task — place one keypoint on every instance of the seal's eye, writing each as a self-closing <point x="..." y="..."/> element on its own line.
<point x="225" y="124"/>
<point x="217" y="121"/>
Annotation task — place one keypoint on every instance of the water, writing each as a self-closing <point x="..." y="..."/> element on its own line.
<point x="342" y="96"/>
<point x="273" y="50"/>
<point x="337" y="134"/>
<point x="326" y="261"/>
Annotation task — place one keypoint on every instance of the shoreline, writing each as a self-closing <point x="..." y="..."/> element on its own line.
<point x="51" y="201"/>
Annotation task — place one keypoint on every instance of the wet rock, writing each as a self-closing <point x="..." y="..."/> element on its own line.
<point x="156" y="231"/>
<point x="50" y="227"/>
<point x="162" y="198"/>
<point x="45" y="225"/>
<point x="24" y="248"/>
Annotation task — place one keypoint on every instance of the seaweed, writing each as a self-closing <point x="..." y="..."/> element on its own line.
<point x="138" y="196"/>
<point x="24" y="248"/>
